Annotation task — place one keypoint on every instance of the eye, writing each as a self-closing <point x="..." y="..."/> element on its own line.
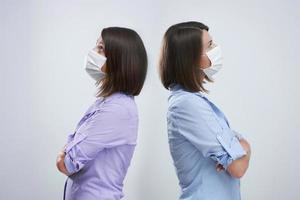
<point x="100" y="47"/>
<point x="211" y="45"/>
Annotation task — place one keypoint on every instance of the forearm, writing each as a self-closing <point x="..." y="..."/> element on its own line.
<point x="239" y="167"/>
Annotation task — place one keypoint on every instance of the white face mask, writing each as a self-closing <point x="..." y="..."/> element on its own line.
<point x="93" y="63"/>
<point x="216" y="59"/>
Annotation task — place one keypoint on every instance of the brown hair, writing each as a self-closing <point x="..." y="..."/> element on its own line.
<point x="126" y="64"/>
<point x="180" y="56"/>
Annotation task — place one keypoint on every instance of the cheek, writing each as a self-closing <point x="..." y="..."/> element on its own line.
<point x="205" y="62"/>
<point x="103" y="68"/>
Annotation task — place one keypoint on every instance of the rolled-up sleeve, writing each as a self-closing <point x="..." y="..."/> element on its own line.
<point x="197" y="122"/>
<point x="104" y="129"/>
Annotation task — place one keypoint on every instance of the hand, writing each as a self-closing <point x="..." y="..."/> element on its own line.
<point x="245" y="145"/>
<point x="219" y="167"/>
<point x="60" y="157"/>
<point x="60" y="163"/>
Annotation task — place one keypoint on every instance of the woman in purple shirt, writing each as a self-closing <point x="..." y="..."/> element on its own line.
<point x="98" y="153"/>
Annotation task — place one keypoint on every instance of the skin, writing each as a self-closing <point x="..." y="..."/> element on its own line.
<point x="238" y="167"/>
<point x="60" y="164"/>
<point x="99" y="48"/>
<point x="207" y="44"/>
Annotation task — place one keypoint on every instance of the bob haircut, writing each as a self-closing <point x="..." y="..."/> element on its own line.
<point x="180" y="56"/>
<point x="126" y="64"/>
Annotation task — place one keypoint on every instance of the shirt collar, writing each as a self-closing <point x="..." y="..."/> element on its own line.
<point x="178" y="87"/>
<point x="175" y="87"/>
<point x="115" y="95"/>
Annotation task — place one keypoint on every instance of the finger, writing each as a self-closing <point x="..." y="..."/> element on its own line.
<point x="219" y="167"/>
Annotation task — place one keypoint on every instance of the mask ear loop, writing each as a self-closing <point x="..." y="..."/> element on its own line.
<point x="205" y="54"/>
<point x="202" y="69"/>
<point x="208" y="59"/>
<point x="97" y="47"/>
<point x="210" y="48"/>
<point x="100" y="47"/>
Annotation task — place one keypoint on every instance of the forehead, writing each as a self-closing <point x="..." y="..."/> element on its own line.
<point x="99" y="40"/>
<point x="206" y="36"/>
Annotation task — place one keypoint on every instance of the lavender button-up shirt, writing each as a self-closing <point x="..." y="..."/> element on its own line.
<point x="99" y="152"/>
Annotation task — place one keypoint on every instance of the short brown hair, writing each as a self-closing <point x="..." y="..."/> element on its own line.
<point x="180" y="56"/>
<point x="126" y="64"/>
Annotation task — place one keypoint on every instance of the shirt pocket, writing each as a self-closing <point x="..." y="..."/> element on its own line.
<point x="84" y="119"/>
<point x="89" y="115"/>
<point x="77" y="139"/>
<point x="70" y="137"/>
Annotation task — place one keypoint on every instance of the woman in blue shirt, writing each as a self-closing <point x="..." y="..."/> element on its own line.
<point x="209" y="157"/>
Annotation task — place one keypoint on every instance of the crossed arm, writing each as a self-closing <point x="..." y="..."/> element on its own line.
<point x="236" y="169"/>
<point x="239" y="167"/>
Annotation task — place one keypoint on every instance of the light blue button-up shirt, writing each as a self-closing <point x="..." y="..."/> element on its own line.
<point x="199" y="138"/>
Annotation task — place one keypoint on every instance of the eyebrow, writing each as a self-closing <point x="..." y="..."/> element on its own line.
<point x="99" y="43"/>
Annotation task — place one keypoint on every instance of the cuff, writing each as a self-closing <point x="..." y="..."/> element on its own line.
<point x="71" y="165"/>
<point x="231" y="144"/>
<point x="238" y="135"/>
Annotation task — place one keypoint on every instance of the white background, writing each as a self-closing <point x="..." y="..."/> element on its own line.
<point x="45" y="91"/>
